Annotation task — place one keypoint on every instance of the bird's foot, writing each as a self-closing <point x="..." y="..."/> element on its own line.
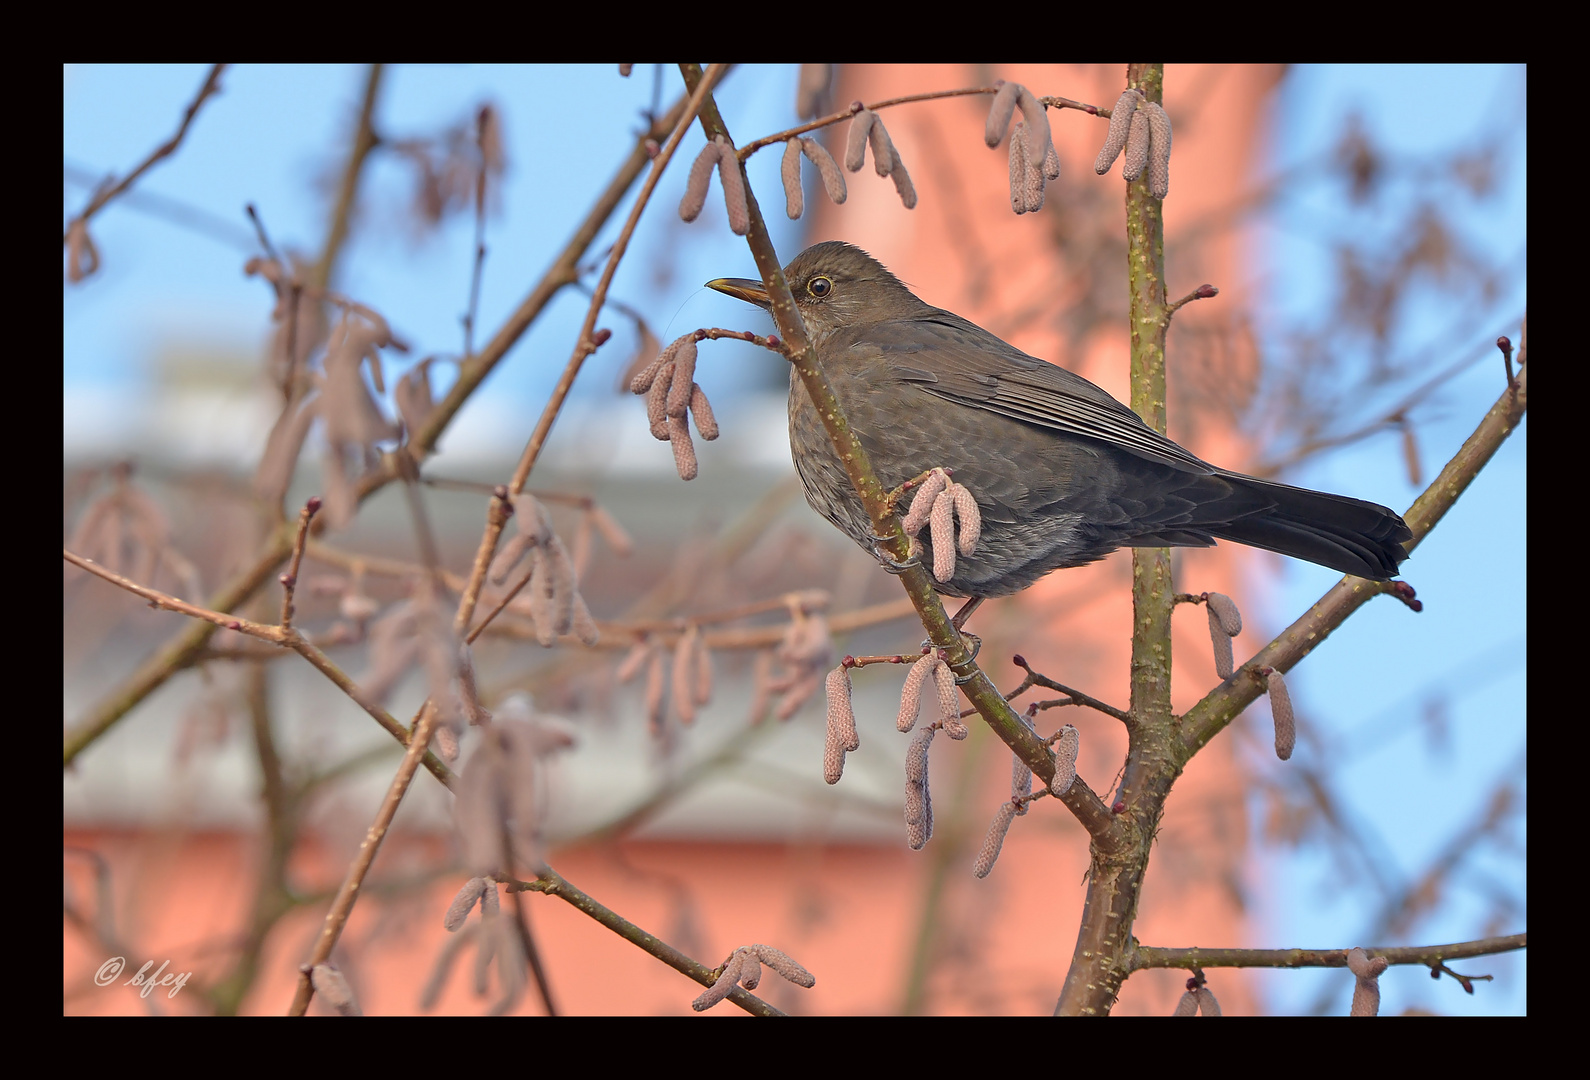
<point x="888" y="562"/>
<point x="974" y="645"/>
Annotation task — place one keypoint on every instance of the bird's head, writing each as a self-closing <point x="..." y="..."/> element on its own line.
<point x="835" y="285"/>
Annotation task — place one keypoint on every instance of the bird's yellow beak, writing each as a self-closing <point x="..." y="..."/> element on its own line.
<point x="747" y="289"/>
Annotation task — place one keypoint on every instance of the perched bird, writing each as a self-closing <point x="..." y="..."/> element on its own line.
<point x="1063" y="473"/>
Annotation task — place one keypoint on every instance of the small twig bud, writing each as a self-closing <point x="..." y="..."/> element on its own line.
<point x="642" y="382"/>
<point x="827" y="168"/>
<point x="884" y="155"/>
<point x="720" y="989"/>
<point x="995" y="840"/>
<point x="1137" y="140"/>
<point x="918" y="817"/>
<point x="970" y="516"/>
<point x="330" y="984"/>
<point x="703" y="671"/>
<point x="841" y="734"/>
<point x="1281" y="710"/>
<point x="781" y="962"/>
<point x="1039" y="142"/>
<point x="949" y="700"/>
<point x="706" y="422"/>
<point x="790" y="173"/>
<point x="447" y="743"/>
<point x="468" y="896"/>
<point x="1225" y="610"/>
<point x="696" y="187"/>
<point x="902" y="181"/>
<point x="856" y="140"/>
<point x="1158" y="150"/>
<point x="1018" y="169"/>
<point x="922" y="502"/>
<point x="733" y="182"/>
<point x="684" y="451"/>
<point x="1000" y="112"/>
<point x="1120" y="127"/>
<point x="657" y="402"/>
<point x="941" y="530"/>
<point x="655" y="713"/>
<point x="916" y="756"/>
<point x="1366" y="992"/>
<point x="911" y="693"/>
<point x="631" y="664"/>
<point x="918" y="799"/>
<point x="1224" y="662"/>
<point x="1066" y="744"/>
<point x="684" y="374"/>
<point x="684" y="675"/>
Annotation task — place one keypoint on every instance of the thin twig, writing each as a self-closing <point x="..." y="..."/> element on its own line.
<point x="480" y="236"/>
<point x="342" y="906"/>
<point x="563" y="271"/>
<point x="1146" y="956"/>
<point x="1077" y="697"/>
<point x="364" y="140"/>
<point x="212" y="84"/>
<point x="1226" y="702"/>
<point x="554" y="884"/>
<point x="289" y="580"/>
<point x="497" y="514"/>
<point x="180" y="651"/>
<point x="175" y="211"/>
<point x="584" y="344"/>
<point x="1386" y="419"/>
<point x="528" y="942"/>
<point x="846" y="113"/>
<point x="287" y="637"/>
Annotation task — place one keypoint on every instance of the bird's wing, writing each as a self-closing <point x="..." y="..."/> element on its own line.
<point x="953" y="359"/>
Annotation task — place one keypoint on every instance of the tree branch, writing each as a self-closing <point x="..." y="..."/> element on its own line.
<point x="212" y="85"/>
<point x="1147" y="956"/>
<point x="1226" y="702"/>
<point x="554" y="884"/>
<point x="181" y="650"/>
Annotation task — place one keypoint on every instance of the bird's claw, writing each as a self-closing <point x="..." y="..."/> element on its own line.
<point x="974" y="645"/>
<point x="889" y="565"/>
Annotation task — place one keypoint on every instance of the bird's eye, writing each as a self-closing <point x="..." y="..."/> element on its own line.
<point x="819" y="287"/>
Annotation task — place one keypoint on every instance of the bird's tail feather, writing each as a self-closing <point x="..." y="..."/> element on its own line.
<point x="1345" y="534"/>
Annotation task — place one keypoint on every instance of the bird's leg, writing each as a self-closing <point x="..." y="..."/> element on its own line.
<point x="889" y="565"/>
<point x="966" y="611"/>
<point x="974" y="645"/>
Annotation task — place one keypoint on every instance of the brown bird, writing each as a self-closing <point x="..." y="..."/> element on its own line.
<point x="1063" y="473"/>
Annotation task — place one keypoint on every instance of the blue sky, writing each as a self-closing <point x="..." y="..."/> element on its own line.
<point x="276" y="132"/>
